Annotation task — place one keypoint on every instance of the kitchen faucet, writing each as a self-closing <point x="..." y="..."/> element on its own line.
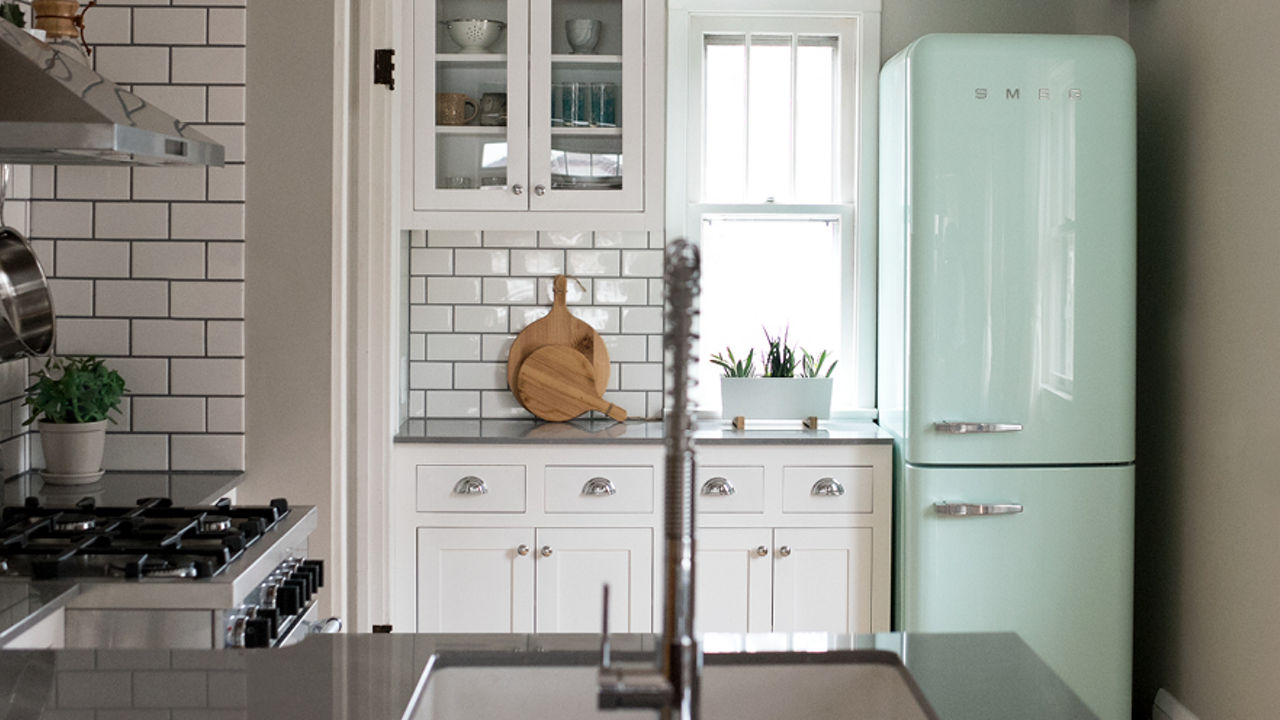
<point x="674" y="687"/>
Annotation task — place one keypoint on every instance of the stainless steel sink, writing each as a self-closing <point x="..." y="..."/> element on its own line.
<point x="841" y="685"/>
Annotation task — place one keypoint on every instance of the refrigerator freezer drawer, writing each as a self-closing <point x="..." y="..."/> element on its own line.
<point x="1059" y="572"/>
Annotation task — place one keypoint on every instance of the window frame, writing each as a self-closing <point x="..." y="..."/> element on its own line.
<point x="857" y="22"/>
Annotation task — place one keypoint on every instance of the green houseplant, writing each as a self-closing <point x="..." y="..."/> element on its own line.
<point x="793" y="383"/>
<point x="72" y="400"/>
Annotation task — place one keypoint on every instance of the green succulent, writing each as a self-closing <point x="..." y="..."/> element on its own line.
<point x="74" y="390"/>
<point x="734" y="367"/>
<point x="780" y="360"/>
<point x="12" y="12"/>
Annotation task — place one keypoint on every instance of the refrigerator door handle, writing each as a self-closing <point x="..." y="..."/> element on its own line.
<point x="966" y="509"/>
<point x="962" y="428"/>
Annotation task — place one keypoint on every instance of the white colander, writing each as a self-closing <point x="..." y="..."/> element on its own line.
<point x="472" y="34"/>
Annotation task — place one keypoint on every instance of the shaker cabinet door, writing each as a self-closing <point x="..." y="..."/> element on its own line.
<point x="475" y="580"/>
<point x="822" y="580"/>
<point x="573" y="564"/>
<point x="734" y="579"/>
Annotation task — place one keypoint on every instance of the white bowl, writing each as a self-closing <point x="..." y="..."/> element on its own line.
<point x="472" y="34"/>
<point x="583" y="34"/>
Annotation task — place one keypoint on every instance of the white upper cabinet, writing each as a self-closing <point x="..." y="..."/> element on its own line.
<point x="518" y="118"/>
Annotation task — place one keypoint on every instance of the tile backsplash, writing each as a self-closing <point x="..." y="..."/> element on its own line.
<point x="471" y="292"/>
<point x="146" y="264"/>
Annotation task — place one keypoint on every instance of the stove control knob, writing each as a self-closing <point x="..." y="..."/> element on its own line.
<point x="318" y="566"/>
<point x="257" y="633"/>
<point x="236" y="626"/>
<point x="304" y="579"/>
<point x="289" y="598"/>
<point x="272" y="616"/>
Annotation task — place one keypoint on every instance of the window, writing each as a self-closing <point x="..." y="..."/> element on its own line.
<point x="771" y="169"/>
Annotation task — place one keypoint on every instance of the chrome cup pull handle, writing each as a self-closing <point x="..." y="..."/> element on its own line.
<point x="599" y="486"/>
<point x="966" y="428"/>
<point x="718" y="487"/>
<point x="976" y="509"/>
<point x="470" y="485"/>
<point x="827" y="487"/>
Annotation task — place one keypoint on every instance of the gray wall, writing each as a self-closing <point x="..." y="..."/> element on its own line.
<point x="902" y="21"/>
<point x="1208" y="496"/>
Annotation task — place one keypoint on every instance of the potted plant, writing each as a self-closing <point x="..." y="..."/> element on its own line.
<point x="795" y="384"/>
<point x="72" y="399"/>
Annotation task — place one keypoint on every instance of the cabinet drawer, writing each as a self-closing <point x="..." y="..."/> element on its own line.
<point x="730" y="489"/>
<point x="470" y="488"/>
<point x="597" y="489"/>
<point x="827" y="489"/>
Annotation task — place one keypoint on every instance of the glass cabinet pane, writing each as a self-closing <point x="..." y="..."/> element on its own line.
<point x="471" y="120"/>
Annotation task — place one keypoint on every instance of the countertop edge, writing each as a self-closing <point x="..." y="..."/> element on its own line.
<point x="592" y="432"/>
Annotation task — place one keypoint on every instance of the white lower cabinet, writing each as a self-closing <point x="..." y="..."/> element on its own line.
<point x="734" y="580"/>
<point x="573" y="565"/>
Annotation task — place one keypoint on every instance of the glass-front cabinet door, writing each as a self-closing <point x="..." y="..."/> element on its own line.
<point x="586" y="79"/>
<point x="471" y="95"/>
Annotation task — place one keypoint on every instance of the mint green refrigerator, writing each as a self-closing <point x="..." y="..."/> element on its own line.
<point x="1006" y="344"/>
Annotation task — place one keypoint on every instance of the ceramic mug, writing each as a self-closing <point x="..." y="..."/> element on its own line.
<point x="452" y="109"/>
<point x="493" y="108"/>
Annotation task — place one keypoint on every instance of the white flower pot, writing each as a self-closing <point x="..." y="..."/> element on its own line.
<point x="72" y="451"/>
<point x="761" y="397"/>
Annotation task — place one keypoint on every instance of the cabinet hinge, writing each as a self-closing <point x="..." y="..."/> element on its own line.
<point x="384" y="68"/>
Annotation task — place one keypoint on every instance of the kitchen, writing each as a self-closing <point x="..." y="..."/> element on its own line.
<point x="1186" y="113"/>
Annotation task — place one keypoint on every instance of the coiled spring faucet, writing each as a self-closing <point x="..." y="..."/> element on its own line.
<point x="673" y="689"/>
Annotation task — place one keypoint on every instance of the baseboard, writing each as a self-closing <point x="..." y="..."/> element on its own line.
<point x="1167" y="707"/>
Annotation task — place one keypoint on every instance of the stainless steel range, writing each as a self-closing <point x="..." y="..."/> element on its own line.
<point x="156" y="575"/>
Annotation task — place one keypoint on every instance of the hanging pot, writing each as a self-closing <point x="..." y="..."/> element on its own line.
<point x="26" y="306"/>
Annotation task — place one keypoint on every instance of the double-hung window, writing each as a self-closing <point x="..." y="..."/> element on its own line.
<point x="773" y="176"/>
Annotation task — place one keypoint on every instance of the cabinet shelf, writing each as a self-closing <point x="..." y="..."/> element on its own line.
<point x="478" y="130"/>
<point x="604" y="62"/>
<point x="588" y="131"/>
<point x="476" y="60"/>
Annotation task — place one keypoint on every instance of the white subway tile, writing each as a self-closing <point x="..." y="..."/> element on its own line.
<point x="431" y="375"/>
<point x="563" y="239"/>
<point x="510" y="238"/>
<point x="231" y="137"/>
<point x="71" y="297"/>
<point x="91" y="336"/>
<point x="226" y="261"/>
<point x="226" y="183"/>
<point x="168" y="183"/>
<point x="417" y="403"/>
<point x="502" y="404"/>
<point x="642" y="263"/>
<point x="625" y="291"/>
<point x="621" y="239"/>
<point x="110" y="26"/>
<point x="168" y="259"/>
<point x="208" y="221"/>
<point x="657" y="292"/>
<point x="453" y="290"/>
<point x="537" y="262"/>
<point x="417" y="238"/>
<point x="522" y="317"/>
<point x="226" y="104"/>
<point x="207" y="376"/>
<point x="480" y="318"/>
<point x="453" y="347"/>
<point x="656" y="350"/>
<point x="641" y="376"/>
<point x="657" y="240"/>
<point x="654" y="402"/>
<point x="169" y="26"/>
<point x="417" y="347"/>
<point x="627" y="348"/>
<point x="226" y="27"/>
<point x="95" y="689"/>
<point x="601" y="319"/>
<point x="133" y="64"/>
<point x="42" y="181"/>
<point x="61" y="219"/>
<point x="226" y="414"/>
<point x="453" y="238"/>
<point x="480" y="376"/>
<point x="143" y="376"/>
<point x="122" y="418"/>
<point x="208" y="452"/>
<point x="509" y="290"/>
<point x="482" y="261"/>
<point x="211" y="65"/>
<point x="92" y="258"/>
<point x="89" y="182"/>
<point x="212" y="299"/>
<point x="167" y="337"/>
<point x="634" y="402"/>
<point x="417" y="290"/>
<point x="431" y="261"/>
<point x="577" y="291"/>
<point x="185" y="102"/>
<point x="496" y="347"/>
<point x="453" y="403"/>
<point x="168" y="414"/>
<point x="136" y="452"/>
<point x="592" y="262"/>
<point x="225" y="338"/>
<point x="132" y="220"/>
<point x="430" y="318"/>
<point x="642" y="320"/>
<point x="132" y="298"/>
<point x="45" y="254"/>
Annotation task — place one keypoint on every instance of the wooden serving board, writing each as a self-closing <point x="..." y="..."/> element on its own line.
<point x="560" y="327"/>
<point x="557" y="383"/>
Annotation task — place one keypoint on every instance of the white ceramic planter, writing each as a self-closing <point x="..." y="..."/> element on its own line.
<point x="760" y="397"/>
<point x="72" y="451"/>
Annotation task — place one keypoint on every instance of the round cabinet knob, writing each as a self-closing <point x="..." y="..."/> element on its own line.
<point x="522" y="550"/>
<point x="539" y="190"/>
<point x="545" y="551"/>
<point x="517" y="189"/>
<point x="761" y="551"/>
<point x="784" y="551"/>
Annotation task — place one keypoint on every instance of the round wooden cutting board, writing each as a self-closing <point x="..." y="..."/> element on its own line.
<point x="557" y="383"/>
<point x="560" y="327"/>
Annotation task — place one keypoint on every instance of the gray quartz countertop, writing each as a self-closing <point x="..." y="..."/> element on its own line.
<point x="444" y="430"/>
<point x="374" y="677"/>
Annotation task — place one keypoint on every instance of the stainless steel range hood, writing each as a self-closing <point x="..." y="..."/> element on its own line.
<point x="55" y="110"/>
